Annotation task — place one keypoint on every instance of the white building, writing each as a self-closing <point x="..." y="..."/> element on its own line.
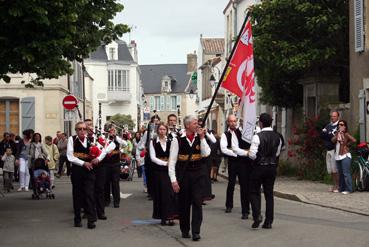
<point x="116" y="77"/>
<point x="40" y="108"/>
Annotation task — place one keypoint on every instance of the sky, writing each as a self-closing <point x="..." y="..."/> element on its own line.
<point x="167" y="30"/>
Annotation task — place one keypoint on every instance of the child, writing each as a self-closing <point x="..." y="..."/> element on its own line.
<point x="8" y="169"/>
<point x="53" y="153"/>
<point x="43" y="181"/>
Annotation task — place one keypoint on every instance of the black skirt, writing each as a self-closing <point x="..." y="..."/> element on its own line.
<point x="164" y="198"/>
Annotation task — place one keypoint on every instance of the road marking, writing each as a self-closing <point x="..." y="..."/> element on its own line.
<point x="124" y="196"/>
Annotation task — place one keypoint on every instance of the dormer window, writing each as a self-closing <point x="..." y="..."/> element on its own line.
<point x="166" y="84"/>
<point x="112" y="53"/>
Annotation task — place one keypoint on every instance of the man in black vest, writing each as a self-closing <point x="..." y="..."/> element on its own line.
<point x="265" y="148"/>
<point x="234" y="149"/>
<point x="83" y="176"/>
<point x="112" y="164"/>
<point x="187" y="176"/>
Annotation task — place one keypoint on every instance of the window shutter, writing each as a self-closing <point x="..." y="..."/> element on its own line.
<point x="152" y="103"/>
<point x="162" y="103"/>
<point x="359" y="25"/>
<point x="28" y="113"/>
<point x="178" y="100"/>
<point x="168" y="101"/>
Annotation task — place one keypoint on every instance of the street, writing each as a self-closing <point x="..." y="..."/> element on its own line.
<point x="25" y="222"/>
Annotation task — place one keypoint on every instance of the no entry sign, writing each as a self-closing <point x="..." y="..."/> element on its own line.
<point x="70" y="102"/>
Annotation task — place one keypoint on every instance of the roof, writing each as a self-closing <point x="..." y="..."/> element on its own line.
<point x="151" y="76"/>
<point x="123" y="53"/>
<point x="212" y="45"/>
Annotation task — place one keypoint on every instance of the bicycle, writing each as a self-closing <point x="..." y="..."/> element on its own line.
<point x="361" y="177"/>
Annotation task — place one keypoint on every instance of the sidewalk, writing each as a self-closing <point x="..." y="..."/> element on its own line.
<point x="316" y="193"/>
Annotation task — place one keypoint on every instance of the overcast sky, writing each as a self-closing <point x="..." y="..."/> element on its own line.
<point x="166" y="30"/>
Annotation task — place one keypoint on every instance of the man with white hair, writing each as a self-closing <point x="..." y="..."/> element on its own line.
<point x="186" y="172"/>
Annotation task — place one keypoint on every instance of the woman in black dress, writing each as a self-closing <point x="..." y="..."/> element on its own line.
<point x="163" y="194"/>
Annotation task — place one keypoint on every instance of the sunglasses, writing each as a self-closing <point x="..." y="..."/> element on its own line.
<point x="79" y="129"/>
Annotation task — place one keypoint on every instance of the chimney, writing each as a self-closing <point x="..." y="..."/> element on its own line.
<point x="132" y="47"/>
<point x="191" y="62"/>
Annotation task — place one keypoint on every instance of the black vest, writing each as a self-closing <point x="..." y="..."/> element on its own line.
<point x="114" y="156"/>
<point x="184" y="151"/>
<point x="268" y="147"/>
<point x="241" y="143"/>
<point x="80" y="151"/>
<point x="161" y="154"/>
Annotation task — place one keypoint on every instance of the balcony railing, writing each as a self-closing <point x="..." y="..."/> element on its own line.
<point x="119" y="95"/>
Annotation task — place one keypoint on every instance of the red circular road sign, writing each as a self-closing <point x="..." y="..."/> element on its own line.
<point x="70" y="102"/>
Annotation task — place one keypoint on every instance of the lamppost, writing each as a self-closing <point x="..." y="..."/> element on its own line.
<point x="179" y="115"/>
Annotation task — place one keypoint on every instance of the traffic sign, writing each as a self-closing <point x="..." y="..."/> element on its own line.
<point x="70" y="102"/>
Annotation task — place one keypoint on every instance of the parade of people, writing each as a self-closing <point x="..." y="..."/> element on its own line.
<point x="184" y="123"/>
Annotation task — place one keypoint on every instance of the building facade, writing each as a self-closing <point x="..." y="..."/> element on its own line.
<point x="40" y="108"/>
<point x="116" y="77"/>
<point x="164" y="87"/>
<point x="359" y="67"/>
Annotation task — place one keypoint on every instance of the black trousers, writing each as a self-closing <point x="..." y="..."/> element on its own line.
<point x="207" y="181"/>
<point x="83" y="188"/>
<point x="63" y="159"/>
<point x="148" y="174"/>
<point x="100" y="173"/>
<point x="241" y="168"/>
<point x="191" y="195"/>
<point x="112" y="183"/>
<point x="263" y="175"/>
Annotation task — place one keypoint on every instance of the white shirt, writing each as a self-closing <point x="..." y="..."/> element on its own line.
<point x="224" y="144"/>
<point x="153" y="152"/>
<point x="108" y="149"/>
<point x="236" y="146"/>
<point x="70" y="151"/>
<point x="173" y="156"/>
<point x="256" y="142"/>
<point x="211" y="137"/>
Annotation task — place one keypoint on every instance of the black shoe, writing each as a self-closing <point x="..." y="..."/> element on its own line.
<point x="212" y="196"/>
<point x="267" y="225"/>
<point x="186" y="235"/>
<point x="228" y="210"/>
<point x="91" y="225"/>
<point x="171" y="223"/>
<point x="196" y="237"/>
<point x="257" y="222"/>
<point x="102" y="217"/>
<point x="77" y="224"/>
<point x="245" y="216"/>
<point x="53" y="187"/>
<point x="163" y="223"/>
<point x="203" y="203"/>
<point x="116" y="205"/>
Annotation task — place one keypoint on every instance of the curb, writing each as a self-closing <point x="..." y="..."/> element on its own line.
<point x="300" y="198"/>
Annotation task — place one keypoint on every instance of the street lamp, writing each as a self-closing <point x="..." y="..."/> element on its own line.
<point x="191" y="93"/>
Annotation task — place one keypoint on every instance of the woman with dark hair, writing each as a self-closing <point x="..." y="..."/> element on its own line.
<point x="162" y="192"/>
<point x="343" y="140"/>
<point x="22" y="158"/>
<point x="37" y="154"/>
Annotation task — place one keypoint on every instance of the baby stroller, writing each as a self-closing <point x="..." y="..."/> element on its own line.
<point x="126" y="168"/>
<point x="41" y="181"/>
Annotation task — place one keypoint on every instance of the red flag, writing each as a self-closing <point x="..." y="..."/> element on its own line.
<point x="239" y="77"/>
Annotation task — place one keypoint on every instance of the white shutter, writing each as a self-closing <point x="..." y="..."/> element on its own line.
<point x="168" y="108"/>
<point x="162" y="103"/>
<point x="359" y="25"/>
<point x="152" y="103"/>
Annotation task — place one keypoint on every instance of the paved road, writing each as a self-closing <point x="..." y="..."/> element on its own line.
<point x="24" y="222"/>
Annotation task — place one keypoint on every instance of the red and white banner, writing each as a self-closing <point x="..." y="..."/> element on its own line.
<point x="240" y="80"/>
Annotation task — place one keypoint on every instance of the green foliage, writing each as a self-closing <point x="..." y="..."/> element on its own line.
<point x="308" y="149"/>
<point x="297" y="37"/>
<point x="122" y="120"/>
<point x="42" y="36"/>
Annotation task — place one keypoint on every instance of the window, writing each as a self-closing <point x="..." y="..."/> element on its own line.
<point x="111" y="53"/>
<point x="9" y="116"/>
<point x="157" y="103"/>
<point x="118" y="80"/>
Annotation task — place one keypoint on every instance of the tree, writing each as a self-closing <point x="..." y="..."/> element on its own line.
<point x="43" y="36"/>
<point x="293" y="38"/>
<point x="122" y="120"/>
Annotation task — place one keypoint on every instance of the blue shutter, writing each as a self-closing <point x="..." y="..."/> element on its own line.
<point x="28" y="113"/>
<point x="359" y="25"/>
<point x="168" y="103"/>
<point x="162" y="103"/>
<point x="178" y="101"/>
